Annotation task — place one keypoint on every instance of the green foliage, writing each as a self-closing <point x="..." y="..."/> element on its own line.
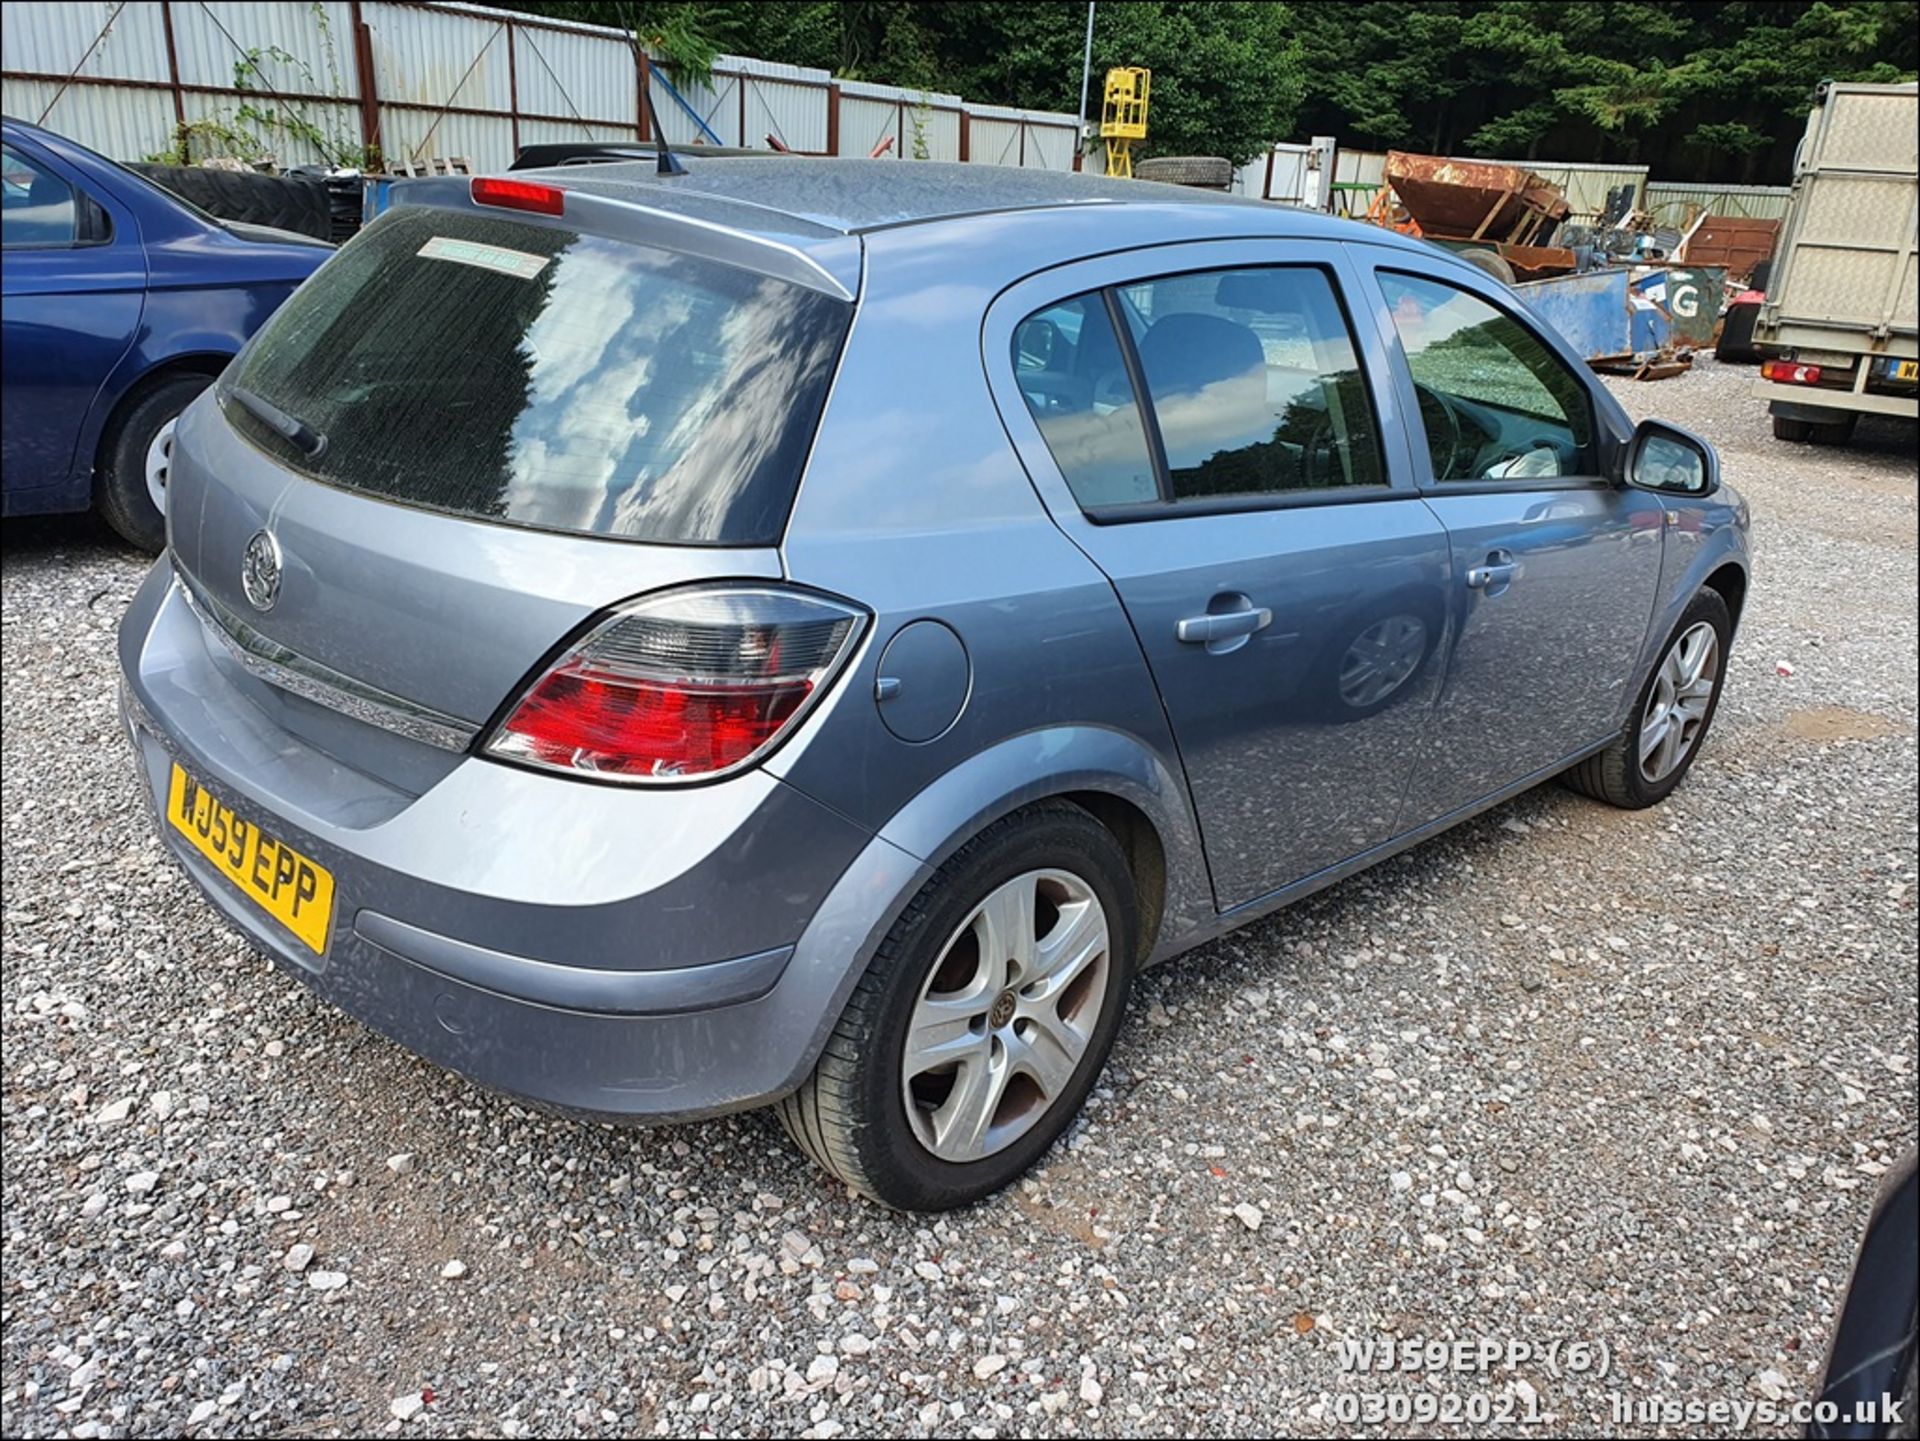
<point x="256" y="130"/>
<point x="1707" y="89"/>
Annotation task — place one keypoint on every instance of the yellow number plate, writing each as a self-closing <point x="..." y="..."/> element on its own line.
<point x="1906" y="370"/>
<point x="285" y="884"/>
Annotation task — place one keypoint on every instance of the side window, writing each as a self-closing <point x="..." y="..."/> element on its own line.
<point x="1073" y="377"/>
<point x="1254" y="382"/>
<point x="1495" y="401"/>
<point x="36" y="206"/>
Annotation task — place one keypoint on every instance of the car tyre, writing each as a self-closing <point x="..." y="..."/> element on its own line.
<point x="1491" y="261"/>
<point x="851" y="1115"/>
<point x="1622" y="774"/>
<point x="1204" y="172"/>
<point x="122" y="493"/>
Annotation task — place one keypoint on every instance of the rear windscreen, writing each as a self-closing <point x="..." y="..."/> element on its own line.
<point x="542" y="377"/>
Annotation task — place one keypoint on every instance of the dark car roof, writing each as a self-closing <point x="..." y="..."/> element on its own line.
<point x="850" y="196"/>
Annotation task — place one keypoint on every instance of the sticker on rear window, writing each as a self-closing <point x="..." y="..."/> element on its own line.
<point x="486" y="257"/>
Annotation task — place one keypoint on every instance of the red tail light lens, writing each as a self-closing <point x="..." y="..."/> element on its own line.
<point x="683" y="686"/>
<point x="1787" y="373"/>
<point x="518" y="195"/>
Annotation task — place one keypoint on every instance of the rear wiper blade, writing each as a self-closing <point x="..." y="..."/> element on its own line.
<point x="289" y="427"/>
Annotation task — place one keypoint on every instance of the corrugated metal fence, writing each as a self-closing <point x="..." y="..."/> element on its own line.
<point x="416" y="79"/>
<point x="1675" y="204"/>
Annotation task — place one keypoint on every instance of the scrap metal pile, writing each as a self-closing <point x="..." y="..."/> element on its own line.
<point x="1618" y="290"/>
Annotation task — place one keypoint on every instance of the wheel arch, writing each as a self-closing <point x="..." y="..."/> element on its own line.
<point x="1119" y="780"/>
<point x="199" y="362"/>
<point x="1730" y="580"/>
<point x="1138" y="795"/>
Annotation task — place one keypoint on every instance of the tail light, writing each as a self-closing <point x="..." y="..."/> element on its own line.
<point x="518" y="195"/>
<point x="1787" y="373"/>
<point x="687" y="685"/>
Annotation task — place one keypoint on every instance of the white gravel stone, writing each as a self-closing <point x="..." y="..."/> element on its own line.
<point x="298" y="1257"/>
<point x="326" y="1280"/>
<point x="453" y="1270"/>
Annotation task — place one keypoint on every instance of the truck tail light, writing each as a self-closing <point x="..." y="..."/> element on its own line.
<point x="1788" y="373"/>
<point x="686" y="685"/>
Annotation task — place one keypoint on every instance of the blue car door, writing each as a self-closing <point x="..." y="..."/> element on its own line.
<point x="74" y="280"/>
<point x="1555" y="567"/>
<point x="1208" y="426"/>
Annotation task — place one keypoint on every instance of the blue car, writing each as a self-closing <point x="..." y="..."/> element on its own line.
<point x="122" y="303"/>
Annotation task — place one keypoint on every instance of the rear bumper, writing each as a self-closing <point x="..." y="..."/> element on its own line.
<point x="1808" y="402"/>
<point x="635" y="1033"/>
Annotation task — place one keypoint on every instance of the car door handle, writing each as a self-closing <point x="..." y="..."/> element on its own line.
<point x="1498" y="572"/>
<point x="1207" y="629"/>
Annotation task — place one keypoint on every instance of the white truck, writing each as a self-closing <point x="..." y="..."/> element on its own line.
<point x="1837" y="333"/>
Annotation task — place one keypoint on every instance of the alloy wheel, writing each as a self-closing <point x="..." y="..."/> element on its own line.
<point x="1677" y="705"/>
<point x="1006" y="1014"/>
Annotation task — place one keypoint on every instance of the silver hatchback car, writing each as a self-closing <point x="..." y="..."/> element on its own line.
<point x="809" y="632"/>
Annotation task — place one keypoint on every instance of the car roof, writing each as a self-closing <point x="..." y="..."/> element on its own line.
<point x="836" y="197"/>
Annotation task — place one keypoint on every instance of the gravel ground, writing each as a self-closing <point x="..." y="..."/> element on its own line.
<point x="1564" y="1074"/>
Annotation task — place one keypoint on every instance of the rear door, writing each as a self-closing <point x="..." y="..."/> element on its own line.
<point x="75" y="284"/>
<point x="1207" y="424"/>
<point x="1555" y="568"/>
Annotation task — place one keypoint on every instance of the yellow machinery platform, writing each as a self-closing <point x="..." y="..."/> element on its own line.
<point x="1123" y="115"/>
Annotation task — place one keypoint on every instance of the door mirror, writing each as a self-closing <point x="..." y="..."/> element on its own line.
<point x="1672" y="461"/>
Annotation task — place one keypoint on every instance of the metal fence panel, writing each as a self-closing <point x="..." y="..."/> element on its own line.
<point x="1050" y="146"/>
<point x="118" y="121"/>
<point x="1672" y="203"/>
<point x="562" y="73"/>
<point x="994" y="142"/>
<point x="295" y="49"/>
<point x="337" y="122"/>
<point x="939" y="131"/>
<point x="691" y="112"/>
<point x="422" y="135"/>
<point x="793" y="112"/>
<point x="864" y="123"/>
<point x="49" y="39"/>
<point x="437" y="58"/>
<point x="558" y="132"/>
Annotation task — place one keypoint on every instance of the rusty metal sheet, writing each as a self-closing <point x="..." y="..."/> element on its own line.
<point x="1733" y="241"/>
<point x="1464" y="199"/>
<point x="1537" y="262"/>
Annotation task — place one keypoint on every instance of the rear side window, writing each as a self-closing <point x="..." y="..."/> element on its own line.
<point x="1074" y="379"/>
<point x="538" y="376"/>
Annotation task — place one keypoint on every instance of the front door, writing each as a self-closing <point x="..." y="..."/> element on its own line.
<point x="1555" y="569"/>
<point x="1228" y="457"/>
